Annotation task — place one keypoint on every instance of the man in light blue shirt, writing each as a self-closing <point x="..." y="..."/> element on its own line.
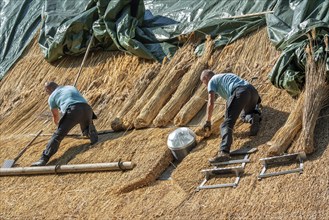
<point x="75" y="110"/>
<point x="63" y="96"/>
<point x="241" y="97"/>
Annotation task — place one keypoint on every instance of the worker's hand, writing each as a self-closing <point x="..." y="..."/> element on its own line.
<point x="207" y="126"/>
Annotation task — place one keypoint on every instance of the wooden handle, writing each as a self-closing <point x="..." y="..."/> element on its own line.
<point x="83" y="61"/>
<point x="25" y="148"/>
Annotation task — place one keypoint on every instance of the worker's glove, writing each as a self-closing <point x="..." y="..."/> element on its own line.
<point x="207" y="126"/>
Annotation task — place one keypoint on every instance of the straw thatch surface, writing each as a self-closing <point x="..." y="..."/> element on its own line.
<point x="283" y="138"/>
<point x="106" y="81"/>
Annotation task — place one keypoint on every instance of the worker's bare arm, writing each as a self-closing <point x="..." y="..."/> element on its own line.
<point x="55" y="113"/>
<point x="210" y="105"/>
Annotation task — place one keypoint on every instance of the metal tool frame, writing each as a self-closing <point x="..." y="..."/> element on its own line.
<point x="238" y="170"/>
<point x="282" y="160"/>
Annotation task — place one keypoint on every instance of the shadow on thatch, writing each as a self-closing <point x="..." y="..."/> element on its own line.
<point x="71" y="153"/>
<point x="272" y="120"/>
<point x="202" y="144"/>
<point x="94" y="58"/>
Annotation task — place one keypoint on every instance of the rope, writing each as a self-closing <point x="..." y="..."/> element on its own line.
<point x="57" y="166"/>
<point x="120" y="165"/>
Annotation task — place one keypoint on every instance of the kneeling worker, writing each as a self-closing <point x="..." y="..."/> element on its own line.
<point x="76" y="111"/>
<point x="241" y="97"/>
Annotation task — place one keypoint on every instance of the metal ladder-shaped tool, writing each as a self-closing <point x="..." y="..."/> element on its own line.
<point x="282" y="160"/>
<point x="237" y="171"/>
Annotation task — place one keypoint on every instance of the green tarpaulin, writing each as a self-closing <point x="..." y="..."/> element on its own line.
<point x="19" y="21"/>
<point x="287" y="29"/>
<point x="151" y="28"/>
<point x="148" y="29"/>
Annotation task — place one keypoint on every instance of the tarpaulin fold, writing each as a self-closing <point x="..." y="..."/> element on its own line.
<point x="149" y="29"/>
<point x="287" y="29"/>
<point x="153" y="29"/>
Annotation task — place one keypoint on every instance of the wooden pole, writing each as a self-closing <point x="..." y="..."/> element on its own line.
<point x="74" y="168"/>
<point x="77" y="135"/>
<point x="83" y="61"/>
<point x="26" y="147"/>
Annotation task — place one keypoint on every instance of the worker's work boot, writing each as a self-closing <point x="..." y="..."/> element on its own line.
<point x="93" y="135"/>
<point x="41" y="162"/>
<point x="86" y="132"/>
<point x="221" y="157"/>
<point x="255" y="124"/>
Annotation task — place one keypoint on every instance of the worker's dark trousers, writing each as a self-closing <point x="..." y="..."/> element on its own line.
<point x="243" y="100"/>
<point x="80" y="113"/>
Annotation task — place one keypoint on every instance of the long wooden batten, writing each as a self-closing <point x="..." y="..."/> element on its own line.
<point x="74" y="168"/>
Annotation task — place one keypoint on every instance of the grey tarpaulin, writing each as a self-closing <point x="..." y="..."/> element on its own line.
<point x="287" y="29"/>
<point x="19" y="21"/>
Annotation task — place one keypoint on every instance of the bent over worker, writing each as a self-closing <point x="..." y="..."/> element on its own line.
<point x="241" y="97"/>
<point x="75" y="111"/>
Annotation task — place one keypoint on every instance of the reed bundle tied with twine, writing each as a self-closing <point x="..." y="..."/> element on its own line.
<point x="192" y="107"/>
<point x="174" y="71"/>
<point x="307" y="109"/>
<point x="316" y="94"/>
<point x="128" y="119"/>
<point x="186" y="88"/>
<point x="137" y="91"/>
<point x="287" y="133"/>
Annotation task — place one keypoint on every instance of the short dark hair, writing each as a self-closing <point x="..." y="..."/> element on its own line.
<point x="51" y="85"/>
<point x="207" y="73"/>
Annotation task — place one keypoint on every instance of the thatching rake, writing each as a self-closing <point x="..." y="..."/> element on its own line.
<point x="10" y="163"/>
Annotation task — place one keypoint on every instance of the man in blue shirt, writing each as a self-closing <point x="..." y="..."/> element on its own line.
<point x="76" y="110"/>
<point x="241" y="97"/>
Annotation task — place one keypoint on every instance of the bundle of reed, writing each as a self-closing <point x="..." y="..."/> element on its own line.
<point x="192" y="107"/>
<point x="128" y="119"/>
<point x="186" y="88"/>
<point x="286" y="134"/>
<point x="316" y="94"/>
<point x="137" y="91"/>
<point x="174" y="71"/>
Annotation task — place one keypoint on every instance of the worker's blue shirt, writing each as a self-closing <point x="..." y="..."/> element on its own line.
<point x="64" y="96"/>
<point x="224" y="84"/>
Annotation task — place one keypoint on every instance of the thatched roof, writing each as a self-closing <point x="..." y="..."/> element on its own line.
<point x="107" y="81"/>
